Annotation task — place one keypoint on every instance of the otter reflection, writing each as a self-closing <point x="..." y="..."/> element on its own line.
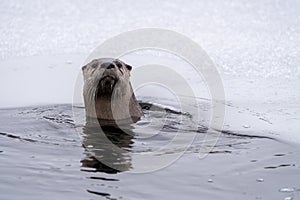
<point x="107" y="149"/>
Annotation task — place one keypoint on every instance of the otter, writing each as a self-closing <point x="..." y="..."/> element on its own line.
<point x="108" y="94"/>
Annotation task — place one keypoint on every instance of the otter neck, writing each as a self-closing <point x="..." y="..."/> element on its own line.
<point x="125" y="109"/>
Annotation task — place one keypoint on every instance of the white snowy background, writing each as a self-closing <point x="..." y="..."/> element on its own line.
<point x="254" y="44"/>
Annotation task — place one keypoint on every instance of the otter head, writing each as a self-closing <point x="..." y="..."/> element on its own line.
<point x="108" y="93"/>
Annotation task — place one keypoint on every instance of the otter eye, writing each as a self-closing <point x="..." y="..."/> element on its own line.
<point x="128" y="67"/>
<point x="94" y="65"/>
<point x="119" y="64"/>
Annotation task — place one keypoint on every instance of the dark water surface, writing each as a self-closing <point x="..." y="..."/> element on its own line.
<point x="44" y="155"/>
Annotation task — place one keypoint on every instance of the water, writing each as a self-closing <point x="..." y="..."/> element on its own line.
<point x="45" y="153"/>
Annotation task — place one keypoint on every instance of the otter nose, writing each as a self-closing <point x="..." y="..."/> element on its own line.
<point x="108" y="65"/>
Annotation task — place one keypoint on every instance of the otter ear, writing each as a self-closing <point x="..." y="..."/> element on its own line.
<point x="128" y="67"/>
<point x="84" y="67"/>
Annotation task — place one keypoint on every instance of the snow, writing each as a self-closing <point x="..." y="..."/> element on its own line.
<point x="254" y="44"/>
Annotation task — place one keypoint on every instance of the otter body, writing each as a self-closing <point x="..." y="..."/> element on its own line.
<point x="108" y="94"/>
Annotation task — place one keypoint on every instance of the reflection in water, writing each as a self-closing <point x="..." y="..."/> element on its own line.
<point x="110" y="150"/>
<point x="107" y="149"/>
